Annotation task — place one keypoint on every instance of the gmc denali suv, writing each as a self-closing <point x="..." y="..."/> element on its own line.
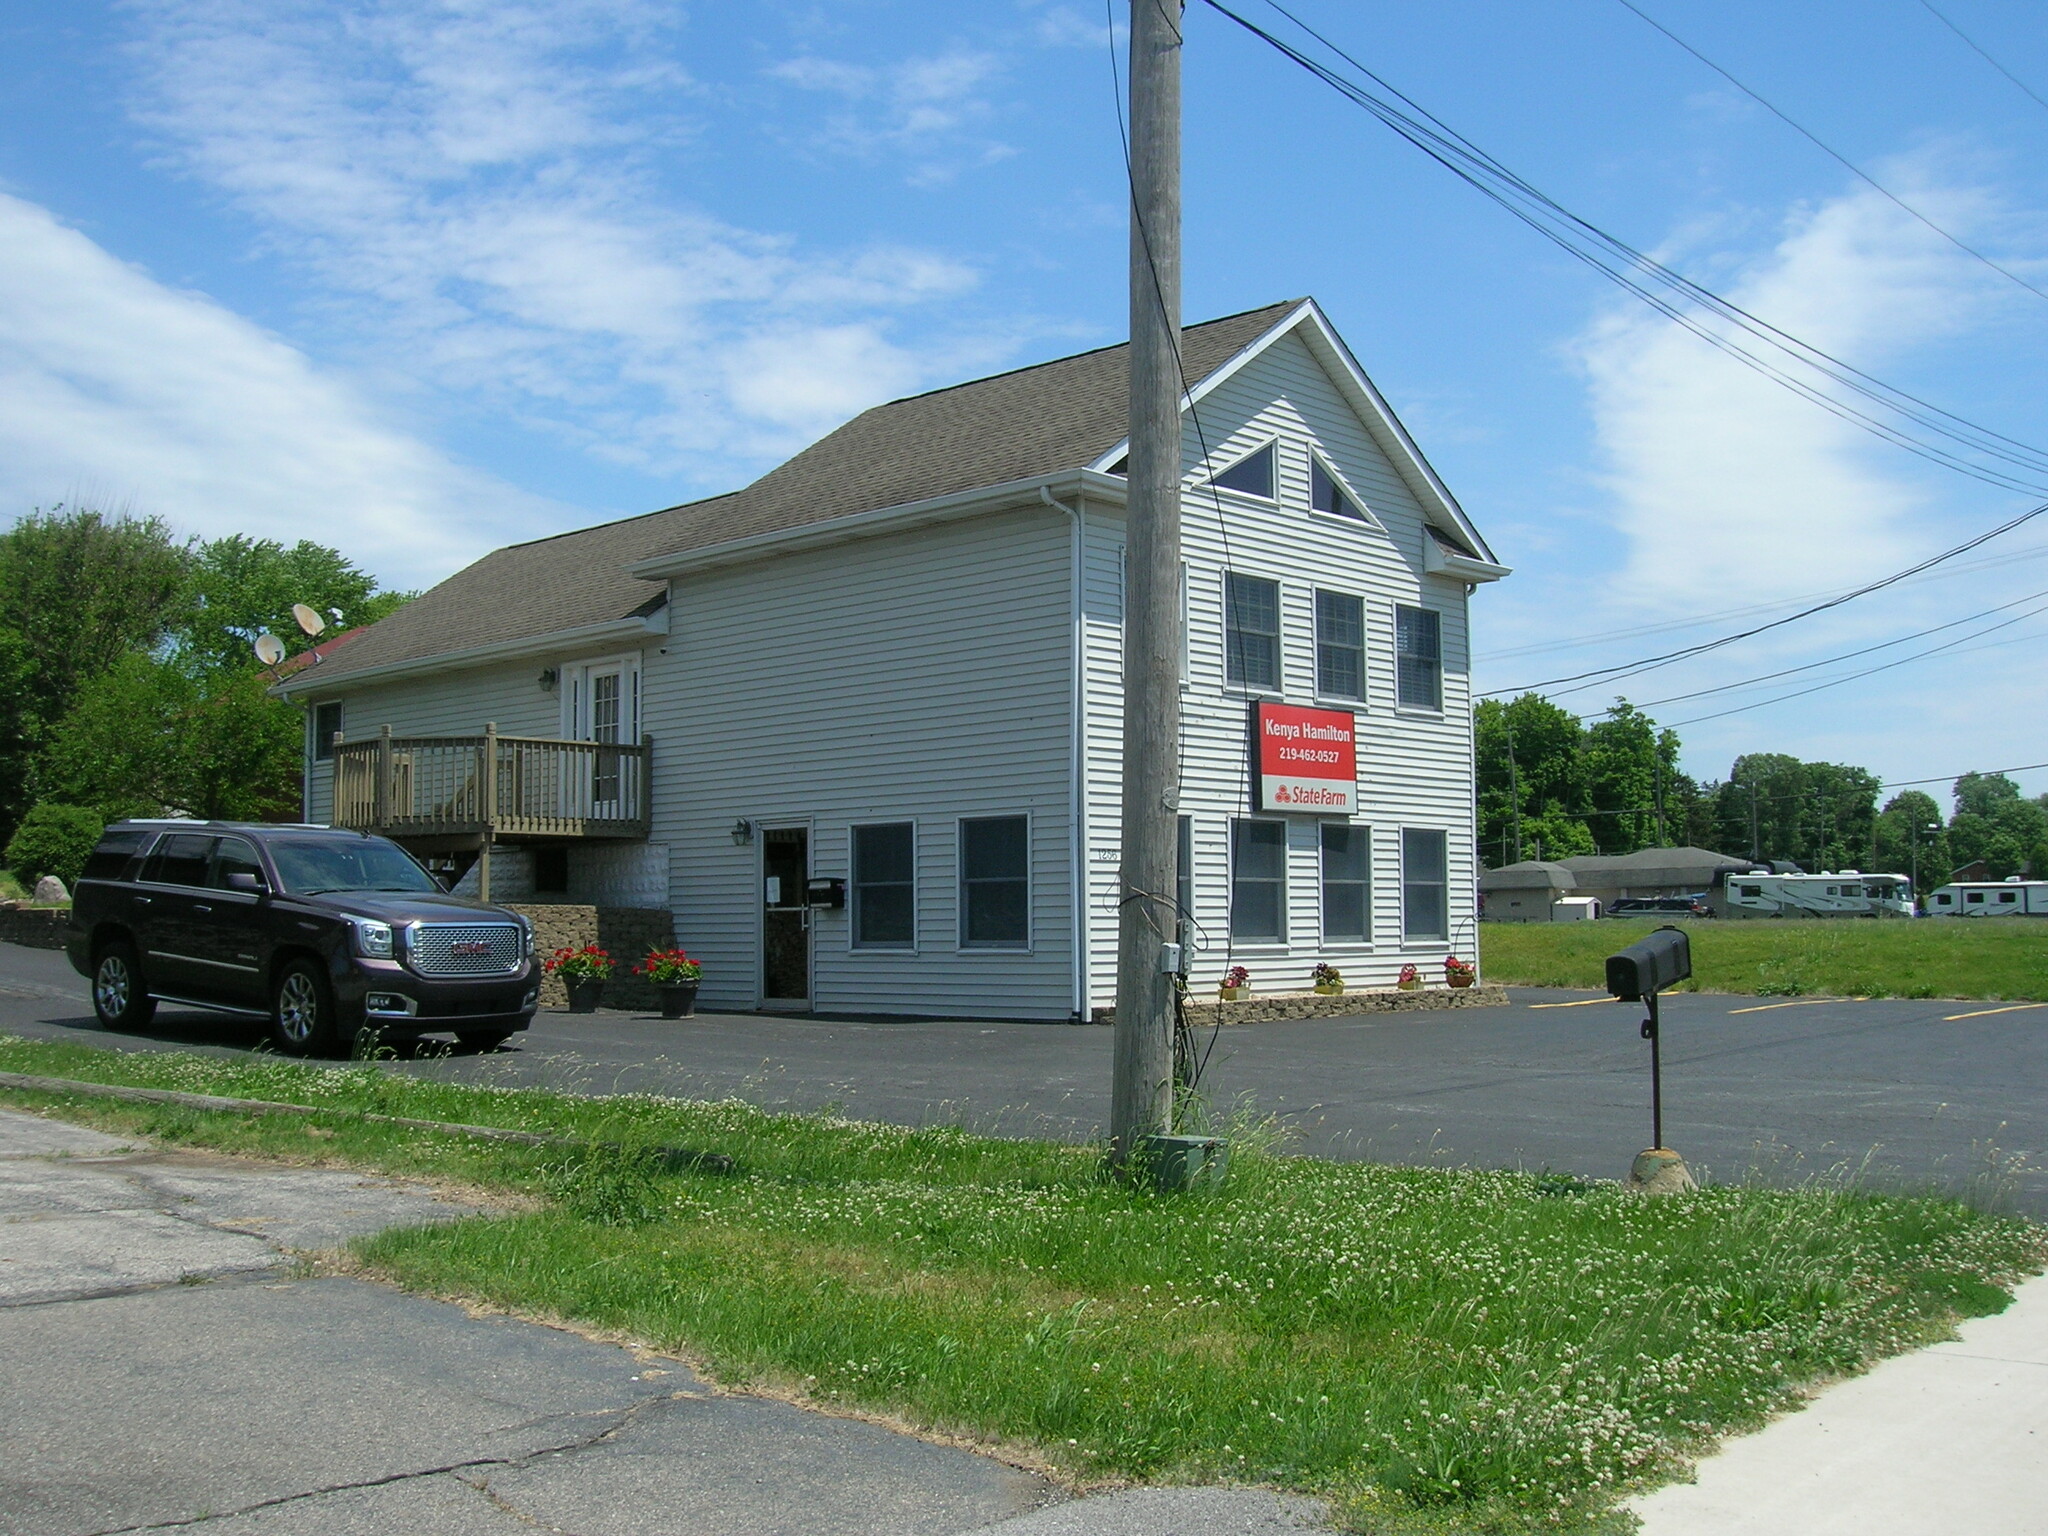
<point x="325" y="933"/>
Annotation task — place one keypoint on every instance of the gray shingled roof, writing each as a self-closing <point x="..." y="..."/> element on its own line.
<point x="1032" y="421"/>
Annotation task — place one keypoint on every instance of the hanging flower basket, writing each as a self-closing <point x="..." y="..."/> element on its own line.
<point x="1459" y="973"/>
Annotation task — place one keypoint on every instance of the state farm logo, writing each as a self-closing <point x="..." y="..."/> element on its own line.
<point x="470" y="947"/>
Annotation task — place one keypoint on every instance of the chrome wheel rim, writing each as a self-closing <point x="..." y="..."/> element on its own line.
<point x="111" y="987"/>
<point x="298" y="1008"/>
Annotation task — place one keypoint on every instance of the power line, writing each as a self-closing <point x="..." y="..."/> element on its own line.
<point x="1978" y="48"/>
<point x="1833" y="154"/>
<point x="1868" y="672"/>
<point x="1602" y="675"/>
<point x="1643" y="276"/>
<point x="1700" y="693"/>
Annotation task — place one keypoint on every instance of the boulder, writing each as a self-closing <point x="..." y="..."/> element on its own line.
<point x="50" y="891"/>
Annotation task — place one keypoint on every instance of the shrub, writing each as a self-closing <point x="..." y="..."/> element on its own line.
<point x="53" y="840"/>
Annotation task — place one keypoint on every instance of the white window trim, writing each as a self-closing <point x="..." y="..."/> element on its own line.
<point x="573" y="683"/>
<point x="1425" y="943"/>
<point x="1205" y="482"/>
<point x="1253" y="690"/>
<point x="1419" y="711"/>
<point x="1359" y="703"/>
<point x="960" y="944"/>
<point x="853" y="944"/>
<point x="1365" y="518"/>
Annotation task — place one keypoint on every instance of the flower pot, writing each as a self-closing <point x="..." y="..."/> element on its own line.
<point x="585" y="993"/>
<point x="678" y="999"/>
<point x="1330" y="988"/>
<point x="1232" y="994"/>
<point x="1461" y="978"/>
<point x="1412" y="984"/>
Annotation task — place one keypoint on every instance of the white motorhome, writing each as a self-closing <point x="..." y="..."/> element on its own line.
<point x="1832" y="893"/>
<point x="1990" y="898"/>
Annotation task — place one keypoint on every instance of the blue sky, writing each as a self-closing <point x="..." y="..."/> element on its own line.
<point x="417" y="279"/>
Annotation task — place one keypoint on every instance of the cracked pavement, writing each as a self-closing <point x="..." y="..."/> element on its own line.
<point x="168" y="1363"/>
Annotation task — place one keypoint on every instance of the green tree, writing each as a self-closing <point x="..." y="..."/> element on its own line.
<point x="242" y="587"/>
<point x="1993" y="823"/>
<point x="79" y="589"/>
<point x="1758" y="810"/>
<point x="53" y="840"/>
<point x="1911" y="840"/>
<point x="1528" y="759"/>
<point x="1628" y="767"/>
<point x="1838" y="815"/>
<point x="165" y="736"/>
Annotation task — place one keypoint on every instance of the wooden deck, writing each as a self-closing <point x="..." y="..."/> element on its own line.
<point x="490" y="788"/>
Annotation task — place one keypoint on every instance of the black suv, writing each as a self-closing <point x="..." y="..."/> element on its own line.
<point x="325" y="933"/>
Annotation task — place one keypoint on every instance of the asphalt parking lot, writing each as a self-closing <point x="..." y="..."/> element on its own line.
<point x="1895" y="1092"/>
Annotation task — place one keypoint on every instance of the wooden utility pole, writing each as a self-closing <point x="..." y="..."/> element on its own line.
<point x="1142" y="1084"/>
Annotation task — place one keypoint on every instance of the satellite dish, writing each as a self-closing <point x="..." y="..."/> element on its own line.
<point x="269" y="649"/>
<point x="309" y="618"/>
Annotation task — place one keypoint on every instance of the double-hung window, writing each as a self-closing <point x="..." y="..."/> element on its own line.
<point x="1425" y="885"/>
<point x="1258" y="880"/>
<point x="995" y="882"/>
<point x="1340" y="646"/>
<point x="1347" y="883"/>
<point x="1419" y="657"/>
<point x="884" y="886"/>
<point x="1251" y="632"/>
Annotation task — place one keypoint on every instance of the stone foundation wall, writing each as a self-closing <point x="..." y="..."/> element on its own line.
<point x="1204" y="1014"/>
<point x="627" y="933"/>
<point x="34" y="927"/>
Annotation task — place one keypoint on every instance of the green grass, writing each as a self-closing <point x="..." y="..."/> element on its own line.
<point x="1483" y="1351"/>
<point x="1845" y="957"/>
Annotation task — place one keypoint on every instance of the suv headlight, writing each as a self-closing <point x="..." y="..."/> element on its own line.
<point x="525" y="936"/>
<point x="373" y="938"/>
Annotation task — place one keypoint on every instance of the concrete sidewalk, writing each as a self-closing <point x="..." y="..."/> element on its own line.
<point x="164" y="1361"/>
<point x="1949" y="1439"/>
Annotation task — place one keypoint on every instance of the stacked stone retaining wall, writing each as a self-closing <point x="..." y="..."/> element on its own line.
<point x="34" y="927"/>
<point x="626" y="933"/>
<point x="1205" y="1013"/>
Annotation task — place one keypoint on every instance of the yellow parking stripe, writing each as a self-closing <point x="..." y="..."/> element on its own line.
<point x="1981" y="1012"/>
<point x="1579" y="1003"/>
<point x="1804" y="1002"/>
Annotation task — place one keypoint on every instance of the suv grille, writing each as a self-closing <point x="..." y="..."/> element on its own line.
<point x="463" y="949"/>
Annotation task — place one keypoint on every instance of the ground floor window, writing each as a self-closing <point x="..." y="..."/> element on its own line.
<point x="995" y="882"/>
<point x="1425" y="885"/>
<point x="884" y="886"/>
<point x="1258" y="880"/>
<point x="1184" y="870"/>
<point x="1347" y="882"/>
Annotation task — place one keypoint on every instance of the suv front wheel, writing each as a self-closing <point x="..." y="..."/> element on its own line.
<point x="118" y="998"/>
<point x="302" y="1010"/>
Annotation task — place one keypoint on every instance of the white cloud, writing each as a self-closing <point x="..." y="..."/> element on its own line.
<point x="925" y="106"/>
<point x="477" y="187"/>
<point x="167" y="402"/>
<point x="1721" y="480"/>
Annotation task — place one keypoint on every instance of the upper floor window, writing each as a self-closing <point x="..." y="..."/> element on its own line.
<point x="1419" y="657"/>
<point x="326" y="726"/>
<point x="1252" y="474"/>
<point x="1326" y="495"/>
<point x="1251" y="631"/>
<point x="1340" y="646"/>
<point x="995" y="882"/>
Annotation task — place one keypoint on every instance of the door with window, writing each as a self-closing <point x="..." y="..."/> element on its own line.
<point x="603" y="706"/>
<point x="785" y="918"/>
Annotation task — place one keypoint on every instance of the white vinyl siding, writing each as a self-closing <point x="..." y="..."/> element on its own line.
<point x="1414" y="769"/>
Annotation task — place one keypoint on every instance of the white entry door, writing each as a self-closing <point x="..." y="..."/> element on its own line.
<point x="602" y="705"/>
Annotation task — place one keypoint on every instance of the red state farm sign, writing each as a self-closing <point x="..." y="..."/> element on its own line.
<point x="1305" y="759"/>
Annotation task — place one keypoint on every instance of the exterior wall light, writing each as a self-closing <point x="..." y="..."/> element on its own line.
<point x="548" y="678"/>
<point x="742" y="832"/>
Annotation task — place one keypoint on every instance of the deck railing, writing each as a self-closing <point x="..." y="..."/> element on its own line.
<point x="533" y="786"/>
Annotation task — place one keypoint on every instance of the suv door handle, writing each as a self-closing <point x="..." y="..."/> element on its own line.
<point x="142" y="901"/>
<point x="200" y="906"/>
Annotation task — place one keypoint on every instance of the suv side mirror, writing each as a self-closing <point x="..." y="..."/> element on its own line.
<point x="242" y="880"/>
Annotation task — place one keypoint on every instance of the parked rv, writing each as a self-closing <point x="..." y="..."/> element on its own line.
<point x="1990" y="898"/>
<point x="1831" y="893"/>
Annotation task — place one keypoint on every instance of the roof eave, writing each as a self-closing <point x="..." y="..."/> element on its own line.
<point x="634" y="627"/>
<point x="858" y="525"/>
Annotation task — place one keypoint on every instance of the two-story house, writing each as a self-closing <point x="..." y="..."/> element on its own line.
<point x="857" y="725"/>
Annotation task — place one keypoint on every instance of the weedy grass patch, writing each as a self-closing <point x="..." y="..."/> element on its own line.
<point x="1433" y="1349"/>
<point x="1840" y="957"/>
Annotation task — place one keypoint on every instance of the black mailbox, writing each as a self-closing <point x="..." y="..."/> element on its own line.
<point x="1649" y="965"/>
<point x="825" y="893"/>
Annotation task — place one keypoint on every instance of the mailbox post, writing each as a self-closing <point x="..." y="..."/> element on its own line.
<point x="1642" y="971"/>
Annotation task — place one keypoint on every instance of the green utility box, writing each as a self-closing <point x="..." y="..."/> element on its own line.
<point x="1184" y="1162"/>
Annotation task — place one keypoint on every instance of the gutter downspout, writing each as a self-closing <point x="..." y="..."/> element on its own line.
<point x="1077" y="790"/>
